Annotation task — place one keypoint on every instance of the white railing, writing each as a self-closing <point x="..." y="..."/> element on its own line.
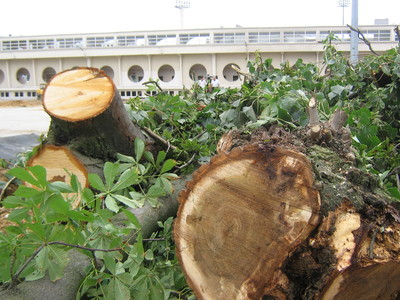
<point x="374" y="33"/>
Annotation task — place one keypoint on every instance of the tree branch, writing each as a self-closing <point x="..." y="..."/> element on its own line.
<point x="397" y="31"/>
<point x="159" y="138"/>
<point x="363" y="38"/>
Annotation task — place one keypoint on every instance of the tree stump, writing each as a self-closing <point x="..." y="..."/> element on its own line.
<point x="89" y="125"/>
<point x="88" y="115"/>
<point x="271" y="217"/>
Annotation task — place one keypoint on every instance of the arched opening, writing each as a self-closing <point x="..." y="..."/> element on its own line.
<point x="23" y="75"/>
<point x="1" y="76"/>
<point x="135" y="73"/>
<point x="197" y="71"/>
<point x="48" y="73"/>
<point x="109" y="71"/>
<point x="166" y="73"/>
<point x="230" y="74"/>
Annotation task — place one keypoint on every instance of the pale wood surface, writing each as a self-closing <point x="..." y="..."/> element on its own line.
<point x="78" y="94"/>
<point x="57" y="160"/>
<point x="239" y="218"/>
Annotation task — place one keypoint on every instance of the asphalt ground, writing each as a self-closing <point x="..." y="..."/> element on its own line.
<point x="20" y="129"/>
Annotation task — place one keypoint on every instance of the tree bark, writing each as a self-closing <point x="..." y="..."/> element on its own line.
<point x="271" y="217"/>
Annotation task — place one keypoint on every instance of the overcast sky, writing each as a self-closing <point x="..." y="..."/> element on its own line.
<point x="37" y="17"/>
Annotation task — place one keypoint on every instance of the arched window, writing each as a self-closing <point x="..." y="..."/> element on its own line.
<point x="230" y="74"/>
<point x="109" y="71"/>
<point x="135" y="73"/>
<point x="166" y="73"/>
<point x="1" y="76"/>
<point x="48" y="73"/>
<point x="23" y="75"/>
<point x="197" y="71"/>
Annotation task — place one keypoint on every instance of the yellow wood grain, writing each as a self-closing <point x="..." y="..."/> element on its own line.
<point x="78" y="94"/>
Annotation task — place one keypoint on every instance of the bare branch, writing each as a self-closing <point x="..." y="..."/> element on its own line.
<point x="363" y="38"/>
<point x="159" y="138"/>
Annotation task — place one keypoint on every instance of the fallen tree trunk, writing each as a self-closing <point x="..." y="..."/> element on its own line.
<point x="271" y="217"/>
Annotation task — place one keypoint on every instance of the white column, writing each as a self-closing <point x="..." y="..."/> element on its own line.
<point x="34" y="81"/>
<point x="8" y="74"/>
<point x="213" y="64"/>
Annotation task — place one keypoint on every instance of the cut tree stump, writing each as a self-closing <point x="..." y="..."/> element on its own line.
<point x="88" y="115"/>
<point x="280" y="219"/>
<point x="89" y="125"/>
<point x="242" y="214"/>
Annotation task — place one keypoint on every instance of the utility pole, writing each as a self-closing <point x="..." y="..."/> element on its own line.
<point x="181" y="5"/>
<point x="354" y="35"/>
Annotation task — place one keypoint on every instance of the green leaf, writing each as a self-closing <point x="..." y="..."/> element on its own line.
<point x="56" y="262"/>
<point x="75" y="184"/>
<point x="168" y="165"/>
<point x="110" y="263"/>
<point x="249" y="112"/>
<point x="14" y="201"/>
<point x="16" y="215"/>
<point x="131" y="217"/>
<point x="111" y="171"/>
<point x="116" y="289"/>
<point x="61" y="187"/>
<point x="139" y="148"/>
<point x="160" y="157"/>
<point x="156" y="191"/>
<point x="149" y="156"/>
<point x="58" y="204"/>
<point x="96" y="182"/>
<point x="111" y="204"/>
<point x="128" y="178"/>
<point x="27" y="192"/>
<point x="149" y="255"/>
<point x="24" y="175"/>
<point x="127" y="201"/>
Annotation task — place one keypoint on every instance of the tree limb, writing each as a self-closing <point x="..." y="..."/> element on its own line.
<point x="363" y="38"/>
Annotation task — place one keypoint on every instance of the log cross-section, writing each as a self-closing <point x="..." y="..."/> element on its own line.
<point x="240" y="217"/>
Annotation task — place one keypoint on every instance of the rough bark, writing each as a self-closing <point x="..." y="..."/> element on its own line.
<point x="250" y="225"/>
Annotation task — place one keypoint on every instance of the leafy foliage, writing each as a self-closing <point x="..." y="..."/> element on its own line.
<point x="46" y="226"/>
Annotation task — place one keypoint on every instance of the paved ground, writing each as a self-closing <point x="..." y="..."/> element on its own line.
<point x="20" y="128"/>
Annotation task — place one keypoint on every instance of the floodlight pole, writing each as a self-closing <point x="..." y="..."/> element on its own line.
<point x="181" y="5"/>
<point x="343" y="4"/>
<point x="354" y="35"/>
